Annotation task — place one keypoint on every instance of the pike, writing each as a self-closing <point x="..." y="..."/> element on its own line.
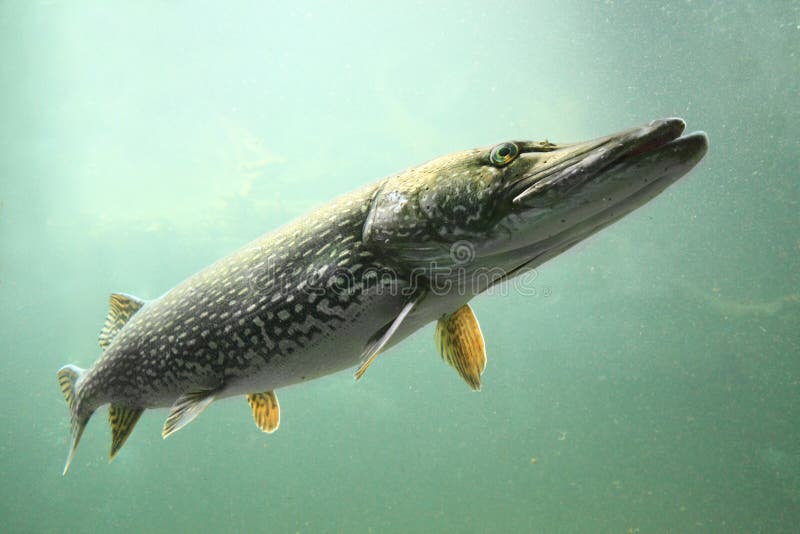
<point x="343" y="284"/>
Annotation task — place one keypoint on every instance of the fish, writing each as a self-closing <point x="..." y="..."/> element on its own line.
<point x="343" y="284"/>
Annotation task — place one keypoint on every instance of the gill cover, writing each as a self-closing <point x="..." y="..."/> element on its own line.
<point x="417" y="216"/>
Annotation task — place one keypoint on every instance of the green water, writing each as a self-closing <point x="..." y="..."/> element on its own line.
<point x="651" y="385"/>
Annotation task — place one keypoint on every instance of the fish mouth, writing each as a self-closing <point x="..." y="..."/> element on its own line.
<point x="574" y="191"/>
<point x="658" y="142"/>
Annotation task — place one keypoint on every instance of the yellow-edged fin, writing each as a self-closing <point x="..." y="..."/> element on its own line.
<point x="382" y="337"/>
<point x="460" y="343"/>
<point x="364" y="366"/>
<point x="68" y="378"/>
<point x="122" y="420"/>
<point x="266" y="411"/>
<point x="121" y="308"/>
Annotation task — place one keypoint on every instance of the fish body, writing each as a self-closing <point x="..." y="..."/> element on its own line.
<point x="267" y="316"/>
<point x="335" y="288"/>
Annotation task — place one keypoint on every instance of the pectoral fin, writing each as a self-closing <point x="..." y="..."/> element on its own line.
<point x="186" y="408"/>
<point x="122" y="420"/>
<point x="266" y="411"/>
<point x="380" y="339"/>
<point x="460" y="343"/>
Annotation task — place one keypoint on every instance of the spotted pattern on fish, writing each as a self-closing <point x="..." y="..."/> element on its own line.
<point x="267" y="301"/>
<point x="340" y="286"/>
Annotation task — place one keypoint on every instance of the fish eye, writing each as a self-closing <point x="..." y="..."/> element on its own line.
<point x="503" y="154"/>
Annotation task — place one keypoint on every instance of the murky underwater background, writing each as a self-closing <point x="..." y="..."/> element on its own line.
<point x="652" y="384"/>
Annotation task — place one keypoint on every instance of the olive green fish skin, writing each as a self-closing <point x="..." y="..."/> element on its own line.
<point x="241" y="316"/>
<point x="358" y="275"/>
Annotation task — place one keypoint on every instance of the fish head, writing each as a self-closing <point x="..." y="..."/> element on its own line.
<point x="516" y="202"/>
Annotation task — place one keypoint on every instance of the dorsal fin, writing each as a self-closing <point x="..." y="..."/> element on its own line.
<point x="122" y="307"/>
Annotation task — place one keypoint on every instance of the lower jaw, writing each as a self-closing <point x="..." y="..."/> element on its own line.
<point x="531" y="256"/>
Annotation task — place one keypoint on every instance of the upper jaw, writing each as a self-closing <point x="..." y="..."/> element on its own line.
<point x="569" y="166"/>
<point x="621" y="172"/>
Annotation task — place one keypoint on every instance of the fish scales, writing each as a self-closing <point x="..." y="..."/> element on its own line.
<point x="235" y="317"/>
<point x="338" y="287"/>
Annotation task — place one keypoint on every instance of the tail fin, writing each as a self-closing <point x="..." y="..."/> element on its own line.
<point x="68" y="377"/>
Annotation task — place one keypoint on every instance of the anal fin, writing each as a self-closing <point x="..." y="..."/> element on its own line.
<point x="460" y="343"/>
<point x="121" y="308"/>
<point x="186" y="408"/>
<point x="266" y="411"/>
<point x="122" y="420"/>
